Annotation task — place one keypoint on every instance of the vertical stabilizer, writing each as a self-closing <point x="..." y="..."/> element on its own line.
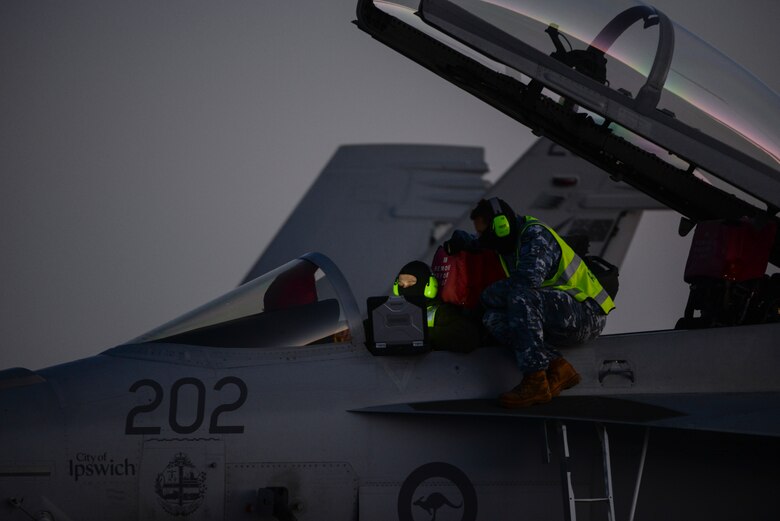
<point x="376" y="207"/>
<point x="574" y="197"/>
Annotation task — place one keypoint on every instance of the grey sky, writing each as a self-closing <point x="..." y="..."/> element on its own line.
<point x="151" y="149"/>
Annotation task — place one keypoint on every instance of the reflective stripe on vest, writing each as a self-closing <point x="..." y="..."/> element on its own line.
<point x="432" y="314"/>
<point x="573" y="275"/>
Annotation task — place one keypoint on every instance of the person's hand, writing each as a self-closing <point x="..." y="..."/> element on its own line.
<point x="455" y="245"/>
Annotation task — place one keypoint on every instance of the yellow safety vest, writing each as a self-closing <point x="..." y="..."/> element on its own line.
<point x="573" y="275"/>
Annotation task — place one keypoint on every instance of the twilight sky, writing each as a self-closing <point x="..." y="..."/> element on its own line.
<point x="149" y="151"/>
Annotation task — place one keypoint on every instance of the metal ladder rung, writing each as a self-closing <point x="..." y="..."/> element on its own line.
<point x="570" y="512"/>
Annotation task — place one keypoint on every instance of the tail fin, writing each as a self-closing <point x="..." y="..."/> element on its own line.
<point x="574" y="197"/>
<point x="376" y="207"/>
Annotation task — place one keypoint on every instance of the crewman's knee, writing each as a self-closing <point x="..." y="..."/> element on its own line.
<point x="526" y="307"/>
<point x="494" y="319"/>
<point x="526" y="296"/>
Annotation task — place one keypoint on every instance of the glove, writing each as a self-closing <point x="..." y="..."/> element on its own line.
<point x="449" y="247"/>
<point x="456" y="244"/>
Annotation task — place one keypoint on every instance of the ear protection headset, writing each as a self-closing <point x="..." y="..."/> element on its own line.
<point x="500" y="220"/>
<point x="431" y="288"/>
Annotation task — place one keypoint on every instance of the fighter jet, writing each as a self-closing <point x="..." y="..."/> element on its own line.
<point x="268" y="404"/>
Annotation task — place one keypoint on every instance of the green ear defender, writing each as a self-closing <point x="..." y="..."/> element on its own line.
<point x="431" y="289"/>
<point x="500" y="222"/>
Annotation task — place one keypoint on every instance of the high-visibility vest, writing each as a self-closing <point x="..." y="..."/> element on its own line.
<point x="573" y="275"/>
<point x="432" y="314"/>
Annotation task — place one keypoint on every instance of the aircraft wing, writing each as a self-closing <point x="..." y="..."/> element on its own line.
<point x="740" y="413"/>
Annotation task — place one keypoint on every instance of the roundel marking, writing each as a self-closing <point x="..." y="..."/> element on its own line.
<point x="437" y="470"/>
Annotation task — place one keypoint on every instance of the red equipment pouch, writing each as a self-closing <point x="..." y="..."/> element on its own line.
<point x="463" y="276"/>
<point x="735" y="250"/>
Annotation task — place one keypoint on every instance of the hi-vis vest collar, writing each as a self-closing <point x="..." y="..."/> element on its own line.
<point x="432" y="314"/>
<point x="573" y="275"/>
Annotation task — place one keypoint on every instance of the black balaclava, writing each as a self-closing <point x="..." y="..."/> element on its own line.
<point x="420" y="270"/>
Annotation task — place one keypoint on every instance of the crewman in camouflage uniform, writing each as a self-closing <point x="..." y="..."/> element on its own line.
<point x="549" y="298"/>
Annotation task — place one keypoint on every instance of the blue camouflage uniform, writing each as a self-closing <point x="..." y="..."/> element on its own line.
<point x="530" y="319"/>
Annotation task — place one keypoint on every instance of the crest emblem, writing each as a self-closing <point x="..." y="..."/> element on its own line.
<point x="181" y="486"/>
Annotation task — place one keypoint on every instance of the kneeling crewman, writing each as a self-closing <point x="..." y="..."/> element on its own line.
<point x="549" y="299"/>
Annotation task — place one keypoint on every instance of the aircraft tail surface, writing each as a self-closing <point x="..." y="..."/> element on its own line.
<point x="392" y="201"/>
<point x="400" y="202"/>
<point x="574" y="197"/>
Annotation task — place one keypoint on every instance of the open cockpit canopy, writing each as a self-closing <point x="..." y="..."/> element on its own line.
<point x="614" y="81"/>
<point x="646" y="57"/>
<point x="304" y="302"/>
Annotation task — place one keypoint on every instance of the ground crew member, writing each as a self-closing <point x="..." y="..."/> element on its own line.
<point x="549" y="298"/>
<point x="450" y="328"/>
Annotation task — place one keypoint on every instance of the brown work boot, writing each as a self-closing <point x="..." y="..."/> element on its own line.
<point x="561" y="375"/>
<point x="532" y="390"/>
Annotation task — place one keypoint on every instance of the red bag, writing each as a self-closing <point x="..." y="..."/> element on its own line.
<point x="463" y="276"/>
<point x="735" y="250"/>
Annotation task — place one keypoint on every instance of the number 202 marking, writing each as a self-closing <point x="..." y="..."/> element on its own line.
<point x="173" y="412"/>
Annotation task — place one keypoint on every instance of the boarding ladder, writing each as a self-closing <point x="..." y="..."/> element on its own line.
<point x="570" y="501"/>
